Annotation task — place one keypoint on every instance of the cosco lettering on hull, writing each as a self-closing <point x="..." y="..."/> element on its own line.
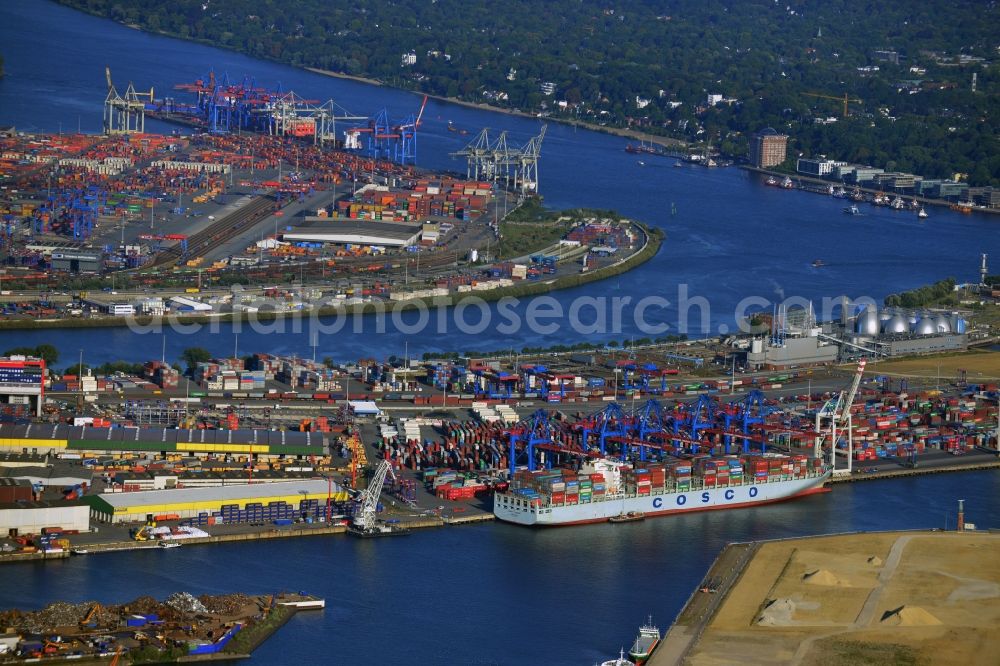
<point x="705" y="498"/>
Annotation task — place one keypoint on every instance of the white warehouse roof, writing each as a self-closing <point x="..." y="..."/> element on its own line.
<point x="365" y="407"/>
<point x="394" y="240"/>
<point x="184" y="302"/>
<point x="219" y="493"/>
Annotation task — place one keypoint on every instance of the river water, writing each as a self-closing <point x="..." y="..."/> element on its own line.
<point x="731" y="237"/>
<point x="494" y="593"/>
<point x="497" y="594"/>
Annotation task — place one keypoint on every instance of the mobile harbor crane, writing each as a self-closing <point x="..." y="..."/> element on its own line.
<point x="365" y="523"/>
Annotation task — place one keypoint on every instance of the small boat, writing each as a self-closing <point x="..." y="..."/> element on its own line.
<point x="787" y="183"/>
<point x="645" y="643"/>
<point x="640" y="163"/>
<point x="78" y="551"/>
<point x="630" y="517"/>
<point x="771" y="181"/>
<point x="818" y="262"/>
<point x="644" y="149"/>
<point x="922" y="213"/>
<point x="852" y="210"/>
<point x="168" y="544"/>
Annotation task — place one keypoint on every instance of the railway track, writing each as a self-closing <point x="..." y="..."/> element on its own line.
<point x="218" y="233"/>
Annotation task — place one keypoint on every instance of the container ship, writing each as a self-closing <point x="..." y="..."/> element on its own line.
<point x="606" y="488"/>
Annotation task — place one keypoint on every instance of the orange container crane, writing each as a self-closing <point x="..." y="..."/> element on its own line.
<point x="358" y="457"/>
<point x="845" y="99"/>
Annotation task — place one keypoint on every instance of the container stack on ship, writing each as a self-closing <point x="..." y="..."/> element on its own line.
<point x="606" y="488"/>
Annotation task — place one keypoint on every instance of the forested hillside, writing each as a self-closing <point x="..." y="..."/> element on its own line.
<point x="653" y="65"/>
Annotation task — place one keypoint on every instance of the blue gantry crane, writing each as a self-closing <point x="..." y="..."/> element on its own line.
<point x="537" y="431"/>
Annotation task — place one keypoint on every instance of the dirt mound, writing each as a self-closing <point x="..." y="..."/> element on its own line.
<point x="909" y="616"/>
<point x="875" y="561"/>
<point x="777" y="613"/>
<point x="820" y="577"/>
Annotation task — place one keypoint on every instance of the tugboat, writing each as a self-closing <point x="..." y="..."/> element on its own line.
<point x="645" y="643"/>
<point x="853" y="210"/>
<point x="787" y="183"/>
<point x="630" y="517"/>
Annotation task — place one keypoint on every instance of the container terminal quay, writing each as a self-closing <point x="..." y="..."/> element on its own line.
<point x="267" y="446"/>
<point x="209" y="226"/>
<point x="266" y="191"/>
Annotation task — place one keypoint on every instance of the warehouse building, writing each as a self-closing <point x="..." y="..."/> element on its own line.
<point x="22" y="382"/>
<point x="76" y="262"/>
<point x="115" y="309"/>
<point x="184" y="304"/>
<point x="263" y="444"/>
<point x="166" y="479"/>
<point x="354" y="232"/>
<point x="17" y="459"/>
<point x="15" y="490"/>
<point x="31" y="517"/>
<point x="189" y="502"/>
<point x="48" y="476"/>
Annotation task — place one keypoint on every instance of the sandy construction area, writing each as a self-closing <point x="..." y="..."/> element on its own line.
<point x="894" y="598"/>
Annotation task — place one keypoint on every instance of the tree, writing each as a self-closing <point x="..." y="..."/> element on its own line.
<point x="46" y="352"/>
<point x="76" y="369"/>
<point x="195" y="355"/>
